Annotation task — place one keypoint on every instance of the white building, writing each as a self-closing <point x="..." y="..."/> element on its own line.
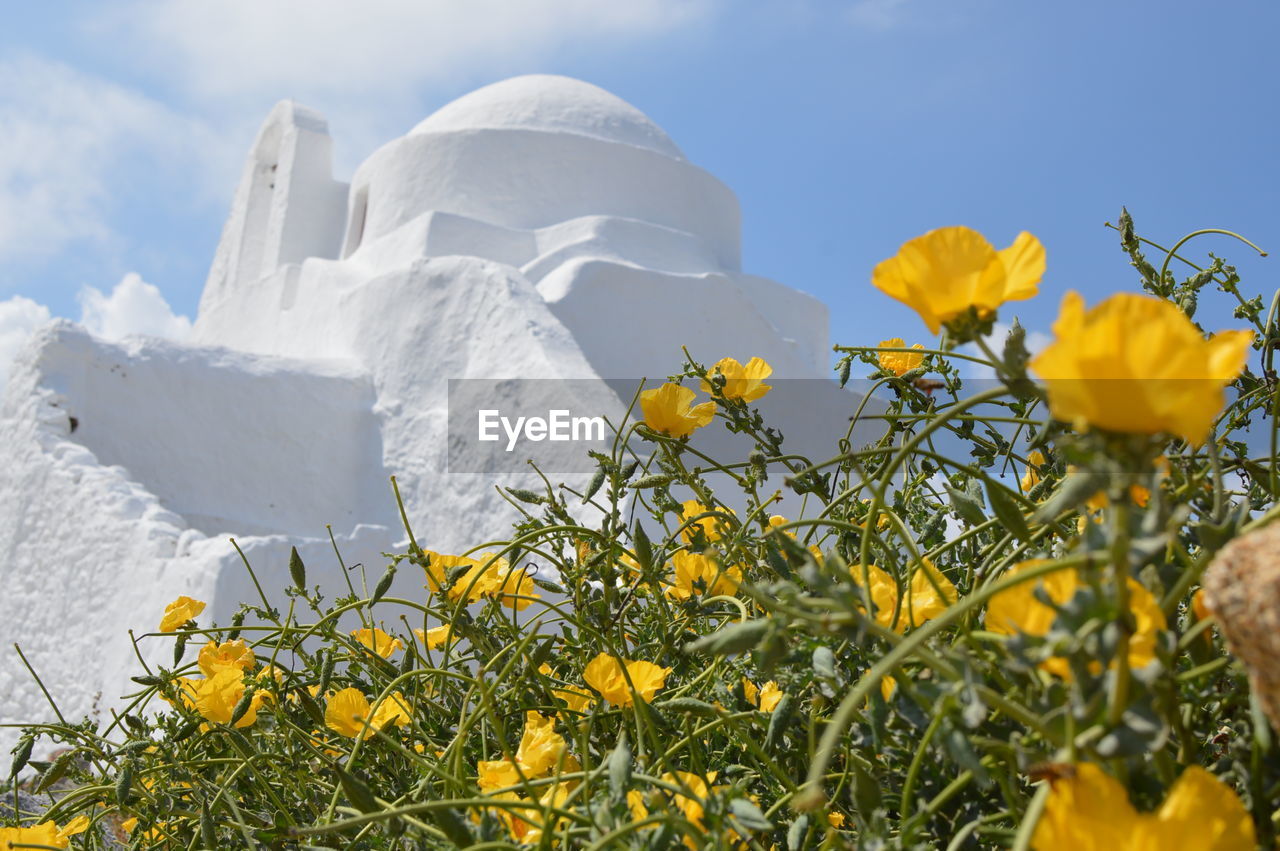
<point x="538" y="227"/>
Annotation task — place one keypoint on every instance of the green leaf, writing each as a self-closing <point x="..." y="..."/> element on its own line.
<point x="1008" y="512"/>
<point x="526" y="496"/>
<point x="1069" y="495"/>
<point x="779" y="720"/>
<point x="644" y="550"/>
<point x="735" y="638"/>
<point x="749" y="815"/>
<point x="653" y="481"/>
<point x="297" y="570"/>
<point x="357" y="791"/>
<point x="58" y="770"/>
<point x="619" y="765"/>
<point x="596" y="481"/>
<point x="384" y="585"/>
<point x="969" y="509"/>
<point x="691" y="705"/>
<point x="21" y="754"/>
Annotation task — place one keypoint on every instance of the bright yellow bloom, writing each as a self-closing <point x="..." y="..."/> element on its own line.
<point x="1136" y="364"/>
<point x="922" y="602"/>
<point x="127" y="825"/>
<point x="697" y="574"/>
<point x="378" y="641"/>
<point x="45" y="833"/>
<point x="743" y="382"/>
<point x="1031" y="478"/>
<point x="578" y="701"/>
<point x="440" y="566"/>
<point x="345" y="713"/>
<point x="712" y="527"/>
<point x="217" y="696"/>
<point x="1017" y="610"/>
<point x="497" y="774"/>
<point x="691" y="805"/>
<point x="667" y="409"/>
<point x="179" y="612"/>
<point x="899" y="363"/>
<point x="605" y="674"/>
<point x="435" y="636"/>
<point x="945" y="272"/>
<point x="215" y="657"/>
<point x="540" y="745"/>
<point x="765" y="698"/>
<point x="836" y="820"/>
<point x="1089" y="810"/>
<point x="392" y="712"/>
<point x="495" y="579"/>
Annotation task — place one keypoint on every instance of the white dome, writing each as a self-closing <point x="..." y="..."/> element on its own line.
<point x="552" y="104"/>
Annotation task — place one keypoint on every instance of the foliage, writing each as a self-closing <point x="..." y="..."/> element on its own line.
<point x="975" y="617"/>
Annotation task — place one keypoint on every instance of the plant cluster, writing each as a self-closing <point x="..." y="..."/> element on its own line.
<point x="981" y="629"/>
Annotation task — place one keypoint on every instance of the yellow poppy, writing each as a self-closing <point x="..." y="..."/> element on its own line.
<point x="922" y="602"/>
<point x="346" y="711"/>
<point x="945" y="273"/>
<point x="216" y="698"/>
<point x="179" y="612"/>
<point x="713" y="527"/>
<point x="1136" y="364"/>
<point x="1088" y="810"/>
<point x="697" y="574"/>
<point x="435" y="636"/>
<point x="215" y="657"/>
<point x="899" y="363"/>
<point x="605" y="674"/>
<point x="378" y="641"/>
<point x="668" y="409"/>
<point x="1031" y="477"/>
<point x="742" y="382"/>
<point x="540" y="745"/>
<point x="1017" y="610"/>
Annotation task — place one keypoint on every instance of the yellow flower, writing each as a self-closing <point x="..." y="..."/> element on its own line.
<point x="435" y="636"/>
<point x="345" y="713"/>
<point x="744" y="383"/>
<point x="667" y="409"/>
<point x="493" y="578"/>
<point x="217" y="696"/>
<point x="605" y="674"/>
<point x="765" y="698"/>
<point x="129" y="824"/>
<point x="540" y="745"/>
<point x="922" y="602"/>
<point x="46" y="834"/>
<point x="1135" y="364"/>
<point x="440" y="566"/>
<point x="215" y="657"/>
<point x="690" y="802"/>
<point x="899" y="363"/>
<point x="699" y="574"/>
<point x="1017" y="610"/>
<point x="378" y="641"/>
<point x="497" y="774"/>
<point x="1088" y="810"/>
<point x="1031" y="478"/>
<point x="836" y="820"/>
<point x="578" y="701"/>
<point x="945" y="272"/>
<point x="712" y="527"/>
<point x="179" y="612"/>
<point x="392" y="712"/>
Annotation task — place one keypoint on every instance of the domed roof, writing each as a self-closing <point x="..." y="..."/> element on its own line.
<point x="551" y="104"/>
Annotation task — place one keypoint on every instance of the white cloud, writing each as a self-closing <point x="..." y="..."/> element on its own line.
<point x="875" y="14"/>
<point x="66" y="137"/>
<point x="18" y="318"/>
<point x="374" y="49"/>
<point x="133" y="307"/>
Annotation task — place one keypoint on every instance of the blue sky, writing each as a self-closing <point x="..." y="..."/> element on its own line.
<point x="844" y="126"/>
